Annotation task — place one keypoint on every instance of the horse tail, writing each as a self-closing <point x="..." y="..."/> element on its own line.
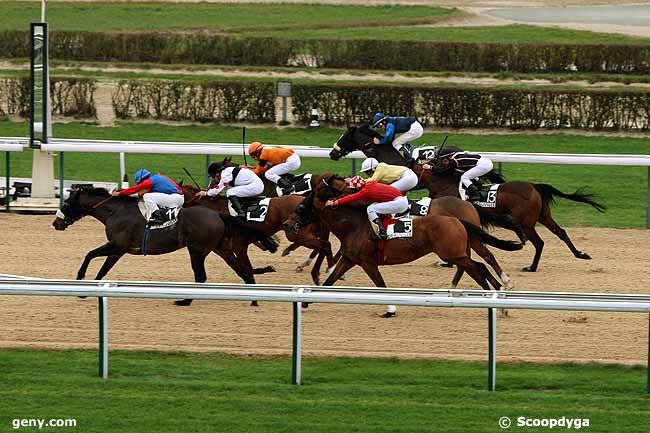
<point x="491" y="219"/>
<point x="266" y="243"/>
<point x="548" y="194"/>
<point x="486" y="238"/>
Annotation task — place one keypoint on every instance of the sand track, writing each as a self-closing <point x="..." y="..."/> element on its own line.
<point x="30" y="246"/>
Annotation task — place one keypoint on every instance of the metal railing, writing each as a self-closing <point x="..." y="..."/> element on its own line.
<point x="296" y="294"/>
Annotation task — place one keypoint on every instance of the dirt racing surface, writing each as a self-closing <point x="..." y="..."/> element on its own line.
<point x="30" y="246"/>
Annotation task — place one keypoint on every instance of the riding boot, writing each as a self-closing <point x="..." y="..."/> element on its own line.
<point x="237" y="207"/>
<point x="381" y="230"/>
<point x="472" y="192"/>
<point x="285" y="185"/>
<point x="404" y="152"/>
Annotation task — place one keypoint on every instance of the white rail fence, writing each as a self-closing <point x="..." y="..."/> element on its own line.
<point x="109" y="146"/>
<point x="103" y="290"/>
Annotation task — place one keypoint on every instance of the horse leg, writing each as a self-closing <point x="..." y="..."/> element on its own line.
<point x="474" y="269"/>
<point x="457" y="277"/>
<point x="234" y="263"/>
<point x="240" y="248"/>
<point x="487" y="255"/>
<point x="293" y="247"/>
<point x="538" y="243"/>
<point x="108" y="265"/>
<point x="342" y="266"/>
<point x="197" y="258"/>
<point x="548" y="221"/>
<point x="315" y="270"/>
<point x="372" y="270"/>
<point x="108" y="249"/>
<point x="307" y="261"/>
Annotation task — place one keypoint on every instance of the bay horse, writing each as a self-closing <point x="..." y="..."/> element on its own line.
<point x="529" y="203"/>
<point x="280" y="208"/>
<point x="200" y="230"/>
<point x="446" y="236"/>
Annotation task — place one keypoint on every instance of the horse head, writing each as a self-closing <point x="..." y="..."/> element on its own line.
<point x="80" y="202"/>
<point x="355" y="138"/>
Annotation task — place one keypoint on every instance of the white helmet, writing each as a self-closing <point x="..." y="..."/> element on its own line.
<point x="369" y="164"/>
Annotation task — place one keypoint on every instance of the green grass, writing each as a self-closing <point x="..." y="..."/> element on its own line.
<point x="130" y="16"/>
<point x="173" y="392"/>
<point x="622" y="189"/>
<point x="510" y="34"/>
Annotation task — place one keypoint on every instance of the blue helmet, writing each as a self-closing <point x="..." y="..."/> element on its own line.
<point x="377" y="119"/>
<point x="141" y="175"/>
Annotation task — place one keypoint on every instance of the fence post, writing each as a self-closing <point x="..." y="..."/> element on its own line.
<point x="296" y="363"/>
<point x="103" y="337"/>
<point x="647" y="209"/>
<point x="207" y="166"/>
<point x="492" y="348"/>
<point x="61" y="176"/>
<point x="7" y="179"/>
<point x="648" y="382"/>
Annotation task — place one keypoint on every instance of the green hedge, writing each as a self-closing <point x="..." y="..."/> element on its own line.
<point x="195" y="101"/>
<point x="72" y="97"/>
<point x="210" y="48"/>
<point x="477" y="107"/>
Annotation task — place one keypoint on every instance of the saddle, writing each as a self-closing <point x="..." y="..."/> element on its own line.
<point x="294" y="184"/>
<point x="255" y="208"/>
<point x="160" y="219"/>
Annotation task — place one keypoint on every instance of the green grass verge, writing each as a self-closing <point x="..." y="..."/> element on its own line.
<point x="222" y="17"/>
<point x="173" y="392"/>
<point x="622" y="189"/>
<point x="510" y="34"/>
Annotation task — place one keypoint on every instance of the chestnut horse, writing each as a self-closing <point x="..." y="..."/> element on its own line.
<point x="280" y="208"/>
<point x="446" y="236"/>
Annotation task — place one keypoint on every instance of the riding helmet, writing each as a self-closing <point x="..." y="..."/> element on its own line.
<point x="141" y="175"/>
<point x="255" y="147"/>
<point x="369" y="164"/>
<point x="377" y="119"/>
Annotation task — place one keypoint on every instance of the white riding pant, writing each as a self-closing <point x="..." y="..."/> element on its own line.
<point x="292" y="163"/>
<point x="255" y="187"/>
<point x="414" y="132"/>
<point x="407" y="182"/>
<point x="155" y="200"/>
<point x="483" y="166"/>
<point x="397" y="205"/>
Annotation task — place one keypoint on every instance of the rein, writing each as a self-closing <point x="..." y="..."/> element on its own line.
<point x="103" y="202"/>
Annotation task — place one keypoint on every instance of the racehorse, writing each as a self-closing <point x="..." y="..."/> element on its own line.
<point x="446" y="236"/>
<point x="528" y="203"/>
<point x="280" y="208"/>
<point x="200" y="230"/>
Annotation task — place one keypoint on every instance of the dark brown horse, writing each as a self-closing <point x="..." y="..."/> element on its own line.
<point x="280" y="208"/>
<point x="446" y="236"/>
<point x="528" y="203"/>
<point x="199" y="230"/>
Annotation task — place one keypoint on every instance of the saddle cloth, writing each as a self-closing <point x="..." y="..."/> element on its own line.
<point x="301" y="184"/>
<point x="172" y="216"/>
<point x="419" y="208"/>
<point x="401" y="227"/>
<point x="255" y="208"/>
<point x="488" y="196"/>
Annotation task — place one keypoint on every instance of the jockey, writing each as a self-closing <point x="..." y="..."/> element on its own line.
<point x="397" y="176"/>
<point x="470" y="166"/>
<point x="409" y="127"/>
<point x="237" y="181"/>
<point x="384" y="200"/>
<point x="161" y="192"/>
<point x="274" y="162"/>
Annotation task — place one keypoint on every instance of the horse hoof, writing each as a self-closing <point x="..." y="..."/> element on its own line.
<point x="305" y="304"/>
<point x="528" y="269"/>
<point x="582" y="255"/>
<point x="183" y="302"/>
<point x="445" y="265"/>
<point x="388" y="314"/>
<point x="254" y="304"/>
<point x="299" y="269"/>
<point x="504" y="312"/>
<point x="82" y="297"/>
